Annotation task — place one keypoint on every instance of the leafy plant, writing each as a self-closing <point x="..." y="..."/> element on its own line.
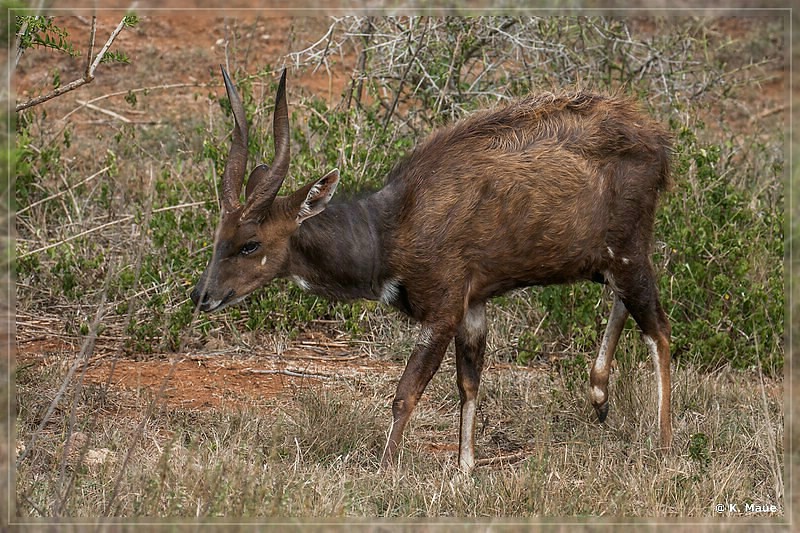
<point x="41" y="31"/>
<point x="724" y="264"/>
<point x="719" y="246"/>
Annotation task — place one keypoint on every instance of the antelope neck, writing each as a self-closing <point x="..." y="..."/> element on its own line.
<point x="339" y="253"/>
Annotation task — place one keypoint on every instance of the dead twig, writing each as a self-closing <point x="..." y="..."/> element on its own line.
<point x="105" y="111"/>
<point x="81" y="234"/>
<point x="325" y="358"/>
<point x="502" y="459"/>
<point x="768" y="112"/>
<point x="288" y="372"/>
<point x="160" y="397"/>
<point x="23" y="28"/>
<point x="54" y="196"/>
<point x="138" y="90"/>
<point x="86" y="352"/>
<point x="420" y="45"/>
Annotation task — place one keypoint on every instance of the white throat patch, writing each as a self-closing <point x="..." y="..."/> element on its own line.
<point x="390" y="291"/>
<point x="303" y="284"/>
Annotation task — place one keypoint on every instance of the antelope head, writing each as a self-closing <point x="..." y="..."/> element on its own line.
<point x="251" y="246"/>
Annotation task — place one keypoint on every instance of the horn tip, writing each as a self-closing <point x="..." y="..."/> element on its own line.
<point x="225" y="77"/>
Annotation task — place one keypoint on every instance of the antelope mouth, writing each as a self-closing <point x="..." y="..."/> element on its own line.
<point x="212" y="306"/>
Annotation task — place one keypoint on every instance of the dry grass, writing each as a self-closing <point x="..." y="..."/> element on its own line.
<point x="314" y="454"/>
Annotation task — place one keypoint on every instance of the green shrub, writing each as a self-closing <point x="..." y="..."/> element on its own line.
<point x="722" y="284"/>
<point x="719" y="232"/>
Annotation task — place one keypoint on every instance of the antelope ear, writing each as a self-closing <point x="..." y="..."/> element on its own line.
<point x="256" y="179"/>
<point x="314" y="197"/>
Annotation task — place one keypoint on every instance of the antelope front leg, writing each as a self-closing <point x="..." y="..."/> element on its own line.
<point x="470" y="348"/>
<point x="598" y="376"/>
<point x="421" y="366"/>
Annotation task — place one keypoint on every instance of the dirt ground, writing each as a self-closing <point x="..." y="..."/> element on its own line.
<point x="209" y="378"/>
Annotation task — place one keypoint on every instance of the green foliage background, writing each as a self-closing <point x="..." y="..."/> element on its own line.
<point x="719" y="233"/>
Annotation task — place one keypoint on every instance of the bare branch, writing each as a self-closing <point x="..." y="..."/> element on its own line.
<point x="287" y="372"/>
<point x="20" y="33"/>
<point x="52" y="94"/>
<point x="105" y="111"/>
<point x="92" y="35"/>
<point x="87" y="77"/>
<point x="99" y="57"/>
<point x="138" y="90"/>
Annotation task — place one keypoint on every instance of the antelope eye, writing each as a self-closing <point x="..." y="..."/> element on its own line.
<point x="249" y="247"/>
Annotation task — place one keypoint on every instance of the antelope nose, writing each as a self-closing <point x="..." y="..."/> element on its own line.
<point x="198" y="297"/>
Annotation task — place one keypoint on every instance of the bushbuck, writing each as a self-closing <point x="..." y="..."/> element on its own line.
<point x="552" y="188"/>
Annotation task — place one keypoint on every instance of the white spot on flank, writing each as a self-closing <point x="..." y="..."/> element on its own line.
<point x="390" y="291"/>
<point x="303" y="284"/>
<point x="625" y="261"/>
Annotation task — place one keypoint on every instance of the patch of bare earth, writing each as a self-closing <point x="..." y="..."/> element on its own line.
<point x="209" y="379"/>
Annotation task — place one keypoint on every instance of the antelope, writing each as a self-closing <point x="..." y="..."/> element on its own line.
<point x="550" y="189"/>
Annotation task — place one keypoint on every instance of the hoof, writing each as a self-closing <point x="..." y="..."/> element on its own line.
<point x="602" y="412"/>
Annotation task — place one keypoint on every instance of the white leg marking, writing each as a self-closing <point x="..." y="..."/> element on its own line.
<point x="605" y="354"/>
<point x="617" y="313"/>
<point x="425" y="336"/>
<point x="474" y="323"/>
<point x="466" y="456"/>
<point x="652" y="346"/>
<point x="598" y="396"/>
<point x="602" y="354"/>
<point x="601" y="366"/>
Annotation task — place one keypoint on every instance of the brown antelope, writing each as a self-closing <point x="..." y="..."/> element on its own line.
<point x="553" y="188"/>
